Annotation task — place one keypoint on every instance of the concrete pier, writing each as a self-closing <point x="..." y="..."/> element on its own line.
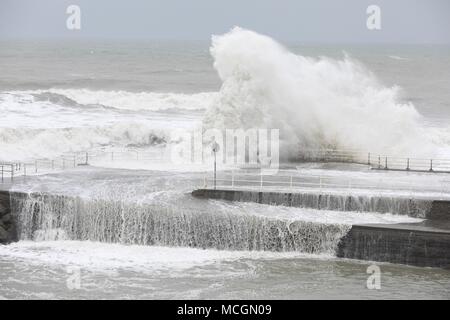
<point x="425" y="244"/>
<point x="414" y="207"/>
<point x="412" y="244"/>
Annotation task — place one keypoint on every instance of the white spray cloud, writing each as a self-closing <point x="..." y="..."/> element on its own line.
<point x="315" y="102"/>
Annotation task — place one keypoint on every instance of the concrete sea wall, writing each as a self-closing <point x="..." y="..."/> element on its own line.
<point x="425" y="244"/>
<point x="419" y="244"/>
<point x="405" y="244"/>
<point x="419" y="208"/>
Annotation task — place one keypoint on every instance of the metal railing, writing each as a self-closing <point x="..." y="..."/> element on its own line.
<point x="101" y="156"/>
<point x="12" y="170"/>
<point x="410" y="164"/>
<point x="289" y="180"/>
<point x="332" y="155"/>
<point x="8" y="168"/>
<point x="377" y="161"/>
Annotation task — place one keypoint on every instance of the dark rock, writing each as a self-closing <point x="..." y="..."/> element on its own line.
<point x="4" y="236"/>
<point x="6" y="219"/>
<point x="7" y="225"/>
<point x="3" y="209"/>
<point x="4" y="203"/>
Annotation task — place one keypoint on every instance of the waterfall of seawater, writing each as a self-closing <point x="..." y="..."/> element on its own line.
<point x="418" y="208"/>
<point x="55" y="217"/>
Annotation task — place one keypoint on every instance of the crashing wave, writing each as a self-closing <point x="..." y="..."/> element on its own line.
<point x="317" y="103"/>
<point x="31" y="143"/>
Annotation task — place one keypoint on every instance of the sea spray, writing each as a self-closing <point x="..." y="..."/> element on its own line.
<point x="316" y="103"/>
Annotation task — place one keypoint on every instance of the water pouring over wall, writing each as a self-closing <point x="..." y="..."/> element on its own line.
<point x="55" y="217"/>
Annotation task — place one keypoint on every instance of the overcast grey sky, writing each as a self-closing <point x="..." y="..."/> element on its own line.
<point x="318" y="21"/>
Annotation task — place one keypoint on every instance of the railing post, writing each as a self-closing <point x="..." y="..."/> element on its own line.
<point x="2" y="174"/>
<point x="261" y="183"/>
<point x="431" y="165"/>
<point x="215" y="171"/>
<point x="407" y="164"/>
<point x="12" y="172"/>
<point x="368" y="159"/>
<point x="232" y="178"/>
<point x="87" y="158"/>
<point x="379" y="162"/>
<point x="385" y="163"/>
<point x="35" y="166"/>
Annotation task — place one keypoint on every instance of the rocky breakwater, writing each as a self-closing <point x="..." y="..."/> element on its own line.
<point x="8" y="231"/>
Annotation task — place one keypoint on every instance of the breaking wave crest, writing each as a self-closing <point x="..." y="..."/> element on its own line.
<point x="47" y="125"/>
<point x="32" y="143"/>
<point x="124" y="100"/>
<point x="315" y="102"/>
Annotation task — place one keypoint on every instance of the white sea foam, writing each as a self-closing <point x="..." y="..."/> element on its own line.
<point x="104" y="256"/>
<point x="315" y="102"/>
<point x="32" y="127"/>
<point x="397" y="57"/>
<point x="28" y="143"/>
<point x="154" y="101"/>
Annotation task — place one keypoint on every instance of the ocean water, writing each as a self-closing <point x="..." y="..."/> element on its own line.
<point x="45" y="270"/>
<point x="142" y="235"/>
<point x="72" y="96"/>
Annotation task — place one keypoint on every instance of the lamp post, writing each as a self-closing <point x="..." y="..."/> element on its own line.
<point x="215" y="148"/>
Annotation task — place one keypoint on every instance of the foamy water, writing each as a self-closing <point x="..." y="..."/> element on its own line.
<point x="32" y="127"/>
<point x="315" y="101"/>
<point x="102" y="257"/>
<point x="46" y="270"/>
